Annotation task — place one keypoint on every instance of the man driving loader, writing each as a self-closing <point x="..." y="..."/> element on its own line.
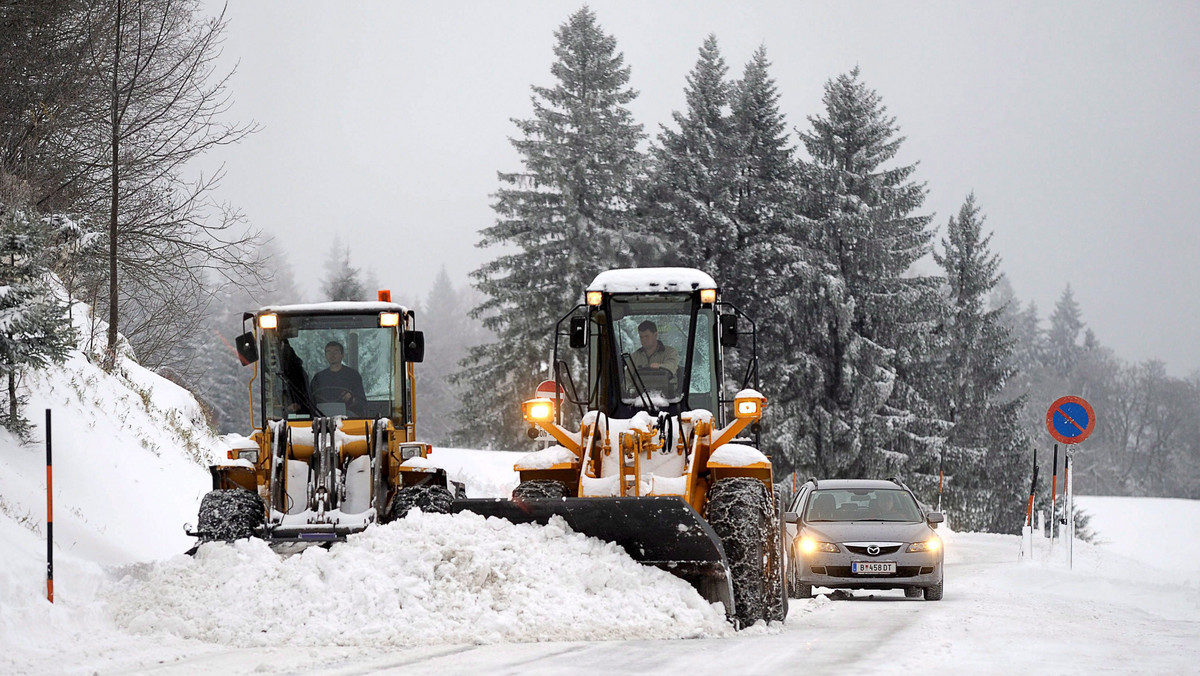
<point x="657" y="364"/>
<point x="338" y="383"/>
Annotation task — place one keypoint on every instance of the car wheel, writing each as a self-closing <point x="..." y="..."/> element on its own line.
<point x="804" y="591"/>
<point x="913" y="592"/>
<point x="934" y="593"/>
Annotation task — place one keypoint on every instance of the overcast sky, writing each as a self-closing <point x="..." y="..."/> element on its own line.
<point x="1077" y="125"/>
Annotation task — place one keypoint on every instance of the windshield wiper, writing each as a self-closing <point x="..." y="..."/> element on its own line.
<point x="636" y="379"/>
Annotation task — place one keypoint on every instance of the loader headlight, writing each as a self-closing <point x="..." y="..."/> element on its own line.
<point x="538" y="410"/>
<point x="409" y="452"/>
<point x="268" y="321"/>
<point x="931" y="545"/>
<point x="594" y="297"/>
<point x="243" y="454"/>
<point x="750" y="406"/>
<point x="389" y="319"/>
<point x="810" y="546"/>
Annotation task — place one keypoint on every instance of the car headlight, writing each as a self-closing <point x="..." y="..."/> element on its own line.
<point x="931" y="545"/>
<point x="809" y="545"/>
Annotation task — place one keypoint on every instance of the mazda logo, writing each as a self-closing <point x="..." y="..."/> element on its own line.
<point x="872" y="549"/>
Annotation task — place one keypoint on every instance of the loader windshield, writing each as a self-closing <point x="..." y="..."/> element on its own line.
<point x="664" y="350"/>
<point x="330" y="365"/>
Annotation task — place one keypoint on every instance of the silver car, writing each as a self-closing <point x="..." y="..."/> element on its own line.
<point x="862" y="534"/>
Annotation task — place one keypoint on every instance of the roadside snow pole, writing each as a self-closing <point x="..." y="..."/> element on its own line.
<point x="49" y="518"/>
<point x="1027" y="529"/>
<point x="1054" y="495"/>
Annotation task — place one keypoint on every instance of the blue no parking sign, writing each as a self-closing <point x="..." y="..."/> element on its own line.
<point x="1070" y="420"/>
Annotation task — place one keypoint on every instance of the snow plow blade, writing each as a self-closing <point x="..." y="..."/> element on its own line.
<point x="660" y="531"/>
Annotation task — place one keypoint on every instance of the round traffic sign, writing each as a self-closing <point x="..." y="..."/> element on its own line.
<point x="1070" y="419"/>
<point x="548" y="389"/>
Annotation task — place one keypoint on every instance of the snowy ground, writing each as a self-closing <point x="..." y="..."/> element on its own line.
<point x="438" y="594"/>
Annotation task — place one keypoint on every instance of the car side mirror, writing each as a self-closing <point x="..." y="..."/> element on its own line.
<point x="578" y="329"/>
<point x="247" y="349"/>
<point x="414" y="346"/>
<point x="729" y="331"/>
<point x="791" y="517"/>
<point x="934" y="518"/>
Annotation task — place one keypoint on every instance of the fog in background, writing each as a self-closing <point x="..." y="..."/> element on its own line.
<point x="1076" y="124"/>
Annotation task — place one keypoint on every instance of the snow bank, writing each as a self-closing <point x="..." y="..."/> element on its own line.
<point x="427" y="579"/>
<point x="1122" y="526"/>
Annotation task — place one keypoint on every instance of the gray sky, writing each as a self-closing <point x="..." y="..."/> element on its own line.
<point x="1076" y="124"/>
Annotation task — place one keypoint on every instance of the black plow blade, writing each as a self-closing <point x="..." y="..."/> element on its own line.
<point x="657" y="531"/>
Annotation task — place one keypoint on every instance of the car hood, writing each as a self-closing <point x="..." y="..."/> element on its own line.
<point x="868" y="531"/>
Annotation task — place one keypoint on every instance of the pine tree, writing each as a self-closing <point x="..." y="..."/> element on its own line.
<point x="984" y="454"/>
<point x="1063" y="337"/>
<point x="35" y="330"/>
<point x="689" y="197"/>
<point x="567" y="217"/>
<point x="870" y="415"/>
<point x="342" y="281"/>
<point x="450" y="333"/>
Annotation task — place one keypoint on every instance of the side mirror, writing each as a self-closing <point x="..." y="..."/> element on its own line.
<point x="791" y="517"/>
<point x="578" y="337"/>
<point x="414" y="346"/>
<point x="247" y="349"/>
<point x="729" y="331"/>
<point x="934" y="518"/>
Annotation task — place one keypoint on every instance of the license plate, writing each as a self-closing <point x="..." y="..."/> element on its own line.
<point x="873" y="567"/>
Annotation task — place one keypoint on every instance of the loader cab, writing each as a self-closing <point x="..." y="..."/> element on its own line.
<point x="351" y="360"/>
<point x="627" y="371"/>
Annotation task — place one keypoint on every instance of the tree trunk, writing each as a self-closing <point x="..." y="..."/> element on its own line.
<point x="12" y="399"/>
<point x="110" y="358"/>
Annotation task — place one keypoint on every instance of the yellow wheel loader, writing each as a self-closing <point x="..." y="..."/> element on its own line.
<point x="657" y="464"/>
<point x="336" y="447"/>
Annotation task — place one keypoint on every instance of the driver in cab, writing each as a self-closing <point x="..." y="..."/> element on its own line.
<point x="653" y="354"/>
<point x="338" y="383"/>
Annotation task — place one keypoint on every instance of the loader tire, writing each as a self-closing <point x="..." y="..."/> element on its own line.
<point x="777" y="593"/>
<point x="539" y="489"/>
<point x="739" y="511"/>
<point x="431" y="500"/>
<point x="229" y="515"/>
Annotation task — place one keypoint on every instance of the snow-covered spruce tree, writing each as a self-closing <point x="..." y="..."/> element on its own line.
<point x="688" y="197"/>
<point x="873" y="417"/>
<point x="566" y="215"/>
<point x="985" y="453"/>
<point x="342" y="280"/>
<point x="35" y="328"/>
<point x="1062" y="340"/>
<point x="449" y="334"/>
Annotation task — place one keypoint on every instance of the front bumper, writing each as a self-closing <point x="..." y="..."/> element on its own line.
<point x="833" y="570"/>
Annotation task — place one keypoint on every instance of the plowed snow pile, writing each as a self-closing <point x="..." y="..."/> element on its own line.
<point x="430" y="578"/>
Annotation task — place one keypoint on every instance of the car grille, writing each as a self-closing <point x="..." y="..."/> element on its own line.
<point x="901" y="571"/>
<point x="882" y="550"/>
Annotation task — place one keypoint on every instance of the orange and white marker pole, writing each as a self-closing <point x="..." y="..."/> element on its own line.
<point x="49" y="517"/>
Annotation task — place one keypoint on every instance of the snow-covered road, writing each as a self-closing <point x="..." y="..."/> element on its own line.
<point x="1000" y="616"/>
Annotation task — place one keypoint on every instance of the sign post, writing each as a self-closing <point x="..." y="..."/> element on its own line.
<point x="1069" y="420"/>
<point x="49" y="517"/>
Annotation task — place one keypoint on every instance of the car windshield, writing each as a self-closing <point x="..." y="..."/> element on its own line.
<point x="853" y="504"/>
